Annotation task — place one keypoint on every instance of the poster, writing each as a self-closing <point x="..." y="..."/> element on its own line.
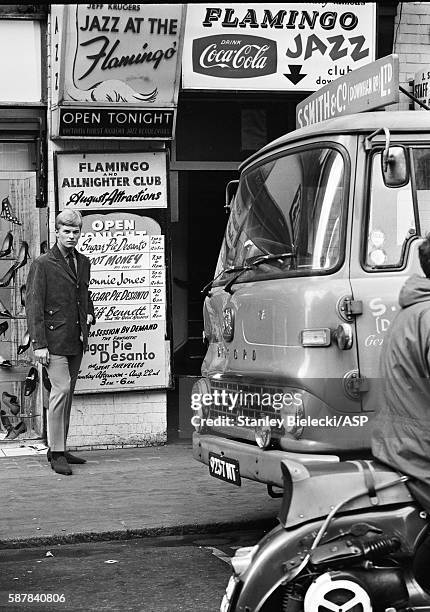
<point x="115" y="60"/>
<point x="128" y="349"/>
<point x="105" y="181"/>
<point x="275" y="47"/>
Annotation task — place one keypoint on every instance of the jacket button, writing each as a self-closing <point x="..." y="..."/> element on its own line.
<point x="50" y="312"/>
<point x="51" y="327"/>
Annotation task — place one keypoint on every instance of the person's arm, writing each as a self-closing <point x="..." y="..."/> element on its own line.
<point x="35" y="309"/>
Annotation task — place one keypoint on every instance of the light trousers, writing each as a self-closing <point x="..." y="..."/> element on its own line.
<point x="63" y="372"/>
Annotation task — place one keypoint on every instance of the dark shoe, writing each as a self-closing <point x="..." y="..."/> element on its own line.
<point x="72" y="459"/>
<point x="6" y="247"/>
<point x="5" y="363"/>
<point x="31" y="381"/>
<point x="60" y="465"/>
<point x="7" y="212"/>
<point x="16" y="431"/>
<point x="5" y="422"/>
<point x="21" y="260"/>
<point x="4" y="312"/>
<point x="11" y="402"/>
<point x="25" y="342"/>
<point x="3" y="328"/>
<point x="45" y="379"/>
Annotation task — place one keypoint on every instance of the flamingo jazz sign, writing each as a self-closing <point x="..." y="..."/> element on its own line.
<point x="115" y="69"/>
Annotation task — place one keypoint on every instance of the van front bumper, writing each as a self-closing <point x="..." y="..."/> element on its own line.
<point x="254" y="463"/>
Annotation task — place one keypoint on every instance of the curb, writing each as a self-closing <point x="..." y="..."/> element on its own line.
<point x="130" y="534"/>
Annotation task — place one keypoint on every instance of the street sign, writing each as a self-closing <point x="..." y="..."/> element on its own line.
<point x="422" y="86"/>
<point x="367" y="88"/>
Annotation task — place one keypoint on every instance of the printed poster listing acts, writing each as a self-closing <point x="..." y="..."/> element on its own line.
<point x="127" y="346"/>
<point x="275" y="46"/>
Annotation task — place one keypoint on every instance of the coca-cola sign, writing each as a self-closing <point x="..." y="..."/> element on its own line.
<point x="234" y="56"/>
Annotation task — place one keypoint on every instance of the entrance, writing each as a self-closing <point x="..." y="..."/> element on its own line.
<point x="196" y="240"/>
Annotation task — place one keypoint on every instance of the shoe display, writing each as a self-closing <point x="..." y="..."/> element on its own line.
<point x="7" y="212"/>
<point x="3" y="328"/>
<point x="31" y="381"/>
<point x="6" y="425"/>
<point x="6" y="247"/>
<point x="45" y="379"/>
<point x="73" y="459"/>
<point x="20" y="262"/>
<point x="16" y="431"/>
<point x="25" y="343"/>
<point x="11" y="402"/>
<point x="60" y="465"/>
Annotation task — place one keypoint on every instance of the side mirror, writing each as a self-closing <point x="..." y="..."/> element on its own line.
<point x="395" y="167"/>
<point x="230" y="192"/>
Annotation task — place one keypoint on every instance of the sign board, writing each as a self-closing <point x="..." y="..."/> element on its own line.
<point x="128" y="349"/>
<point x="118" y="56"/>
<point x="105" y="181"/>
<point x="367" y="88"/>
<point x="276" y="46"/>
<point x="422" y="87"/>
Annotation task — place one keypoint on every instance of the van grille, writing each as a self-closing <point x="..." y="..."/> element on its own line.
<point x="249" y="400"/>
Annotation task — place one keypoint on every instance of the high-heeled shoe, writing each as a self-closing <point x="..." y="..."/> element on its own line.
<point x="7" y="212"/>
<point x="22" y="291"/>
<point x="11" y="402"/>
<point x="45" y="379"/>
<point x="4" y="312"/>
<point x="5" y="422"/>
<point x="5" y="363"/>
<point x="16" y="431"/>
<point x="6" y="247"/>
<point x="25" y="342"/>
<point x="31" y="381"/>
<point x="20" y="261"/>
<point x="3" y="328"/>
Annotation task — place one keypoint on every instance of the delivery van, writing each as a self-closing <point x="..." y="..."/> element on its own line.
<point x="323" y="230"/>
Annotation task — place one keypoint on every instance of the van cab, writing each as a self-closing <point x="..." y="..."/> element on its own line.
<point x="323" y="231"/>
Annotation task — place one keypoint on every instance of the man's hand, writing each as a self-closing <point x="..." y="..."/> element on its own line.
<point x="90" y="319"/>
<point x="42" y="356"/>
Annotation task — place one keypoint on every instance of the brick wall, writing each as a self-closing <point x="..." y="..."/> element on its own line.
<point x="411" y="43"/>
<point x="109" y="420"/>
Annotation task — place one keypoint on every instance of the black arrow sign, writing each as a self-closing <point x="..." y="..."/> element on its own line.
<point x="295" y="76"/>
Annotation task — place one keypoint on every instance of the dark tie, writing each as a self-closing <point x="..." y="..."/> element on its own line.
<point x="71" y="262"/>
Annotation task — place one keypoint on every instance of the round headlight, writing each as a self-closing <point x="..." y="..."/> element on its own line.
<point x="263" y="436"/>
<point x="199" y="398"/>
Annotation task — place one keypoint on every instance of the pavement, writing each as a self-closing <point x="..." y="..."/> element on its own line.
<point x="121" y="494"/>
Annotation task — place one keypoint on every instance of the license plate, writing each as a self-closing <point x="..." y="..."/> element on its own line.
<point x="224" y="468"/>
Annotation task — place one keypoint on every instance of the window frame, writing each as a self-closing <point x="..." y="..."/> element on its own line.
<point x="255" y="276"/>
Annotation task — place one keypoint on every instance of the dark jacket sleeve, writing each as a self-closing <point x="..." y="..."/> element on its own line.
<point x="35" y="304"/>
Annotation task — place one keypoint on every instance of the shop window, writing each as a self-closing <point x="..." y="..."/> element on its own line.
<point x="20" y="68"/>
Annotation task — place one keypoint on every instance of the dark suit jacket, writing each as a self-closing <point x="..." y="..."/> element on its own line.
<point x="57" y="303"/>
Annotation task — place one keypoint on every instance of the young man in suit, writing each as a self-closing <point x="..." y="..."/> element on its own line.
<point x="59" y="312"/>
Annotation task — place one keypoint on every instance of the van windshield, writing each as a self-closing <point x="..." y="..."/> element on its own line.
<point x="293" y="203"/>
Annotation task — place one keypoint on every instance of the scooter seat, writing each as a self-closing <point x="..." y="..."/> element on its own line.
<point x="312" y="491"/>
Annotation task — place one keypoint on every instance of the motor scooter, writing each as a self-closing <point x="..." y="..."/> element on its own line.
<point x="345" y="542"/>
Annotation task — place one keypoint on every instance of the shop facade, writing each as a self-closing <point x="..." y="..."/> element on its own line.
<point x="144" y="147"/>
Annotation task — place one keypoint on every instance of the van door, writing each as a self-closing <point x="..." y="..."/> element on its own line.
<point x="384" y="255"/>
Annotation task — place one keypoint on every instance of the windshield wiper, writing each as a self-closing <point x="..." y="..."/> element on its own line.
<point x="258" y="261"/>
<point x="224" y="271"/>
